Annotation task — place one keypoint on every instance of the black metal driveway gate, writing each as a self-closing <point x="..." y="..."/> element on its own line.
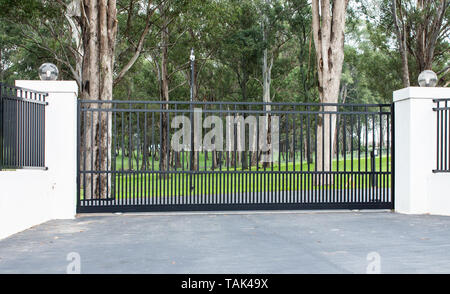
<point x="330" y="156"/>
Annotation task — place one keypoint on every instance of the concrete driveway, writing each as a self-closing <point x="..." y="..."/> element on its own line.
<point x="247" y="243"/>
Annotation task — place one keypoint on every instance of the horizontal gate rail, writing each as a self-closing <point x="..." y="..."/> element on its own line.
<point x="234" y="111"/>
<point x="322" y="156"/>
<point x="188" y="103"/>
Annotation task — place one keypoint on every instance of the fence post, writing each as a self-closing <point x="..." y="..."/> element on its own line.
<point x="417" y="189"/>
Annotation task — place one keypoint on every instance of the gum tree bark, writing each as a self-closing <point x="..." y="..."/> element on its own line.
<point x="400" y="31"/>
<point x="163" y="161"/>
<point x="92" y="28"/>
<point x="328" y="24"/>
<point x="100" y="22"/>
<point x="267" y="79"/>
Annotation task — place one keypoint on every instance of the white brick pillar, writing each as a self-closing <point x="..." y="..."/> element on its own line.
<point x="415" y="153"/>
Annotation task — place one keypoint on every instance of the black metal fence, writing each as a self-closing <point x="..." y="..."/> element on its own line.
<point x="442" y="110"/>
<point x="22" y="128"/>
<point x="330" y="156"/>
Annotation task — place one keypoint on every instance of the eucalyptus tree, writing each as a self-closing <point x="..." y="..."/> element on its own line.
<point x="328" y="25"/>
<point x="203" y="28"/>
<point x="240" y="51"/>
<point x="98" y="23"/>
<point x="417" y="31"/>
<point x="419" y="27"/>
<point x="240" y="48"/>
<point x="300" y="25"/>
<point x="81" y="36"/>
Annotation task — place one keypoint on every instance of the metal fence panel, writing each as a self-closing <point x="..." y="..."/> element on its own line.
<point x="442" y="110"/>
<point x="22" y="128"/>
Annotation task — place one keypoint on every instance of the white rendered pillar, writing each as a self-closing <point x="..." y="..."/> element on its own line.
<point x="60" y="143"/>
<point x="415" y="151"/>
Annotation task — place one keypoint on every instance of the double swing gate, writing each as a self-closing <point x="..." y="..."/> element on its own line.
<point x="138" y="156"/>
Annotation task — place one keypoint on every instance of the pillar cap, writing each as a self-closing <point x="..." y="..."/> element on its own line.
<point x="421" y="93"/>
<point x="49" y="86"/>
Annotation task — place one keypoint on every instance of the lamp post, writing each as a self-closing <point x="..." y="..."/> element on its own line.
<point x="192" y="58"/>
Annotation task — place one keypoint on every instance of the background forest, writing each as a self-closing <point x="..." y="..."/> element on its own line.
<point x="238" y="44"/>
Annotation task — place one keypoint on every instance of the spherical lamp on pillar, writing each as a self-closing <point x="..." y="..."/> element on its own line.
<point x="427" y="78"/>
<point x="48" y="72"/>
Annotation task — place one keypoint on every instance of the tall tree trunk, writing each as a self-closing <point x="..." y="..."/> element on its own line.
<point x="328" y="24"/>
<point x="428" y="30"/>
<point x="267" y="78"/>
<point x="400" y="31"/>
<point x="214" y="160"/>
<point x="242" y="157"/>
<point x="163" y="163"/>
<point x="73" y="16"/>
<point x="230" y="156"/>
<point x="100" y="32"/>
<point x="343" y="95"/>
<point x="239" y="143"/>
<point x="108" y="31"/>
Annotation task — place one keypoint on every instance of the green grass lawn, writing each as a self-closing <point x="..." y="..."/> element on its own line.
<point x="144" y="183"/>
<point x="205" y="162"/>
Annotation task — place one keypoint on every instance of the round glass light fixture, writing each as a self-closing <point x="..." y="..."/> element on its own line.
<point x="48" y="72"/>
<point x="427" y="78"/>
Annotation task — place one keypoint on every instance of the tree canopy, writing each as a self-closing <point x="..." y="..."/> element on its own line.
<point x="233" y="41"/>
